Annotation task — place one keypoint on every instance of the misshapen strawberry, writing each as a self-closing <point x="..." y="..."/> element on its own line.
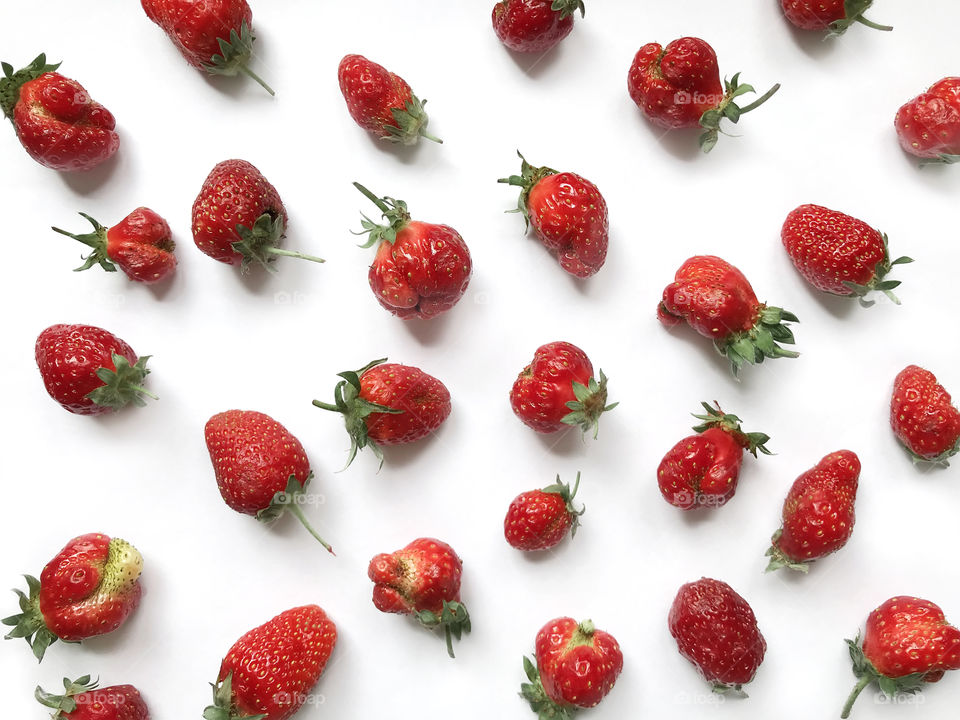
<point x="929" y="125"/>
<point x="534" y="26"/>
<point x="540" y="519"/>
<point x="833" y="15"/>
<point x="83" y="699"/>
<point x="923" y="416"/>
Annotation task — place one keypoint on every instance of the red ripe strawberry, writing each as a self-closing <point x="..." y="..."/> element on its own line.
<point x="908" y="642"/>
<point x="923" y="416"/>
<point x="540" y="519"/>
<point x="269" y="672"/>
<point x="261" y="468"/>
<point x="534" y="26"/>
<point x="818" y="514"/>
<point x="140" y="244"/>
<point x="716" y="630"/>
<point x="58" y="124"/>
<point x="423" y="580"/>
<point x="421" y="269"/>
<point x="88" y="589"/>
<point x="213" y="35"/>
<point x="568" y="214"/>
<point x="716" y="300"/>
<point x="381" y="102"/>
<point x="929" y="125"/>
<point x="238" y="217"/>
<point x="85" y="700"/>
<point x="702" y="470"/>
<point x="839" y="254"/>
<point x="577" y="666"/>
<point x="678" y="86"/>
<point x="833" y="15"/>
<point x="388" y="405"/>
<point x="89" y="370"/>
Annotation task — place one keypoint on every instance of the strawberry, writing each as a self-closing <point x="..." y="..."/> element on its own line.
<point x="261" y="468"/>
<point x="716" y="630"/>
<point x="140" y="244"/>
<point x="89" y="370"/>
<point x="839" y="254"/>
<point x="923" y="416"/>
<point x="568" y="214"/>
<point x="818" y="514"/>
<point x="88" y="589"/>
<point x="58" y="124"/>
<point x="534" y="26"/>
<point x="833" y="15"/>
<point x="212" y="35"/>
<point x="558" y="390"/>
<point x="423" y="580"/>
<point x="388" y="404"/>
<point x="929" y="125"/>
<point x="381" y="102"/>
<point x="678" y="86"/>
<point x="238" y="217"/>
<point x="702" y="470"/>
<point x="540" y="519"/>
<point x="576" y="667"/>
<point x="907" y="642"/>
<point x="269" y="672"/>
<point x="84" y="700"/>
<point x="421" y="269"/>
<point x="717" y="301"/>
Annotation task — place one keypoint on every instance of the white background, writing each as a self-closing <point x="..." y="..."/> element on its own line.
<point x="221" y="341"/>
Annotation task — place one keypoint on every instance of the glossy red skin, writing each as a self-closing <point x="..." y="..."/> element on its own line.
<point x="425" y="402"/>
<point x="537" y="520"/>
<point x="195" y="25"/>
<point x="371" y="92"/>
<point x="922" y="413"/>
<point x="541" y="392"/>
<point x="69" y="356"/>
<point x="701" y="470"/>
<point x="422" y="576"/>
<point x="908" y="635"/>
<point x="142" y="246"/>
<point x="716" y="630"/>
<point x="674" y="86"/>
<point x="423" y="273"/>
<point x="530" y="26"/>
<point x="814" y="14"/>
<point x="929" y="125"/>
<point x="580" y="675"/>
<point x="276" y="665"/>
<point x="117" y="702"/>
<point x="61" y="127"/>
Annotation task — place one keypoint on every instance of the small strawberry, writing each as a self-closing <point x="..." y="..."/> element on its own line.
<point x="929" y="125"/>
<point x="58" y="124"/>
<point x="716" y="300"/>
<point x="89" y="370"/>
<point x="702" y="470"/>
<point x="238" y="217"/>
<point x="381" y="102"/>
<point x="818" y="514"/>
<point x="568" y="214"/>
<point x="261" y="468"/>
<point x="388" y="404"/>
<point x="833" y="15"/>
<point x="908" y="642"/>
<point x="923" y="416"/>
<point x="716" y="630"/>
<point x="140" y="244"/>
<point x="540" y="519"/>
<point x="85" y="700"/>
<point x="534" y="26"/>
<point x="576" y="667"/>
<point x="423" y="580"/>
<point x="270" y="671"/>
<point x="421" y="269"/>
<point x="212" y="35"/>
<point x="88" y="589"/>
<point x="678" y="86"/>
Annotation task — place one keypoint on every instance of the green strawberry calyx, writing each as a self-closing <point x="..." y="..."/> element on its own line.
<point x="760" y="341"/>
<point x="261" y="243"/>
<point x="12" y="81"/>
<point x="589" y="405"/>
<point x="234" y="55"/>
<point x="541" y="703"/>
<point x="290" y="499"/>
<point x="123" y="385"/>
<point x="409" y="123"/>
<point x="779" y="559"/>
<point x="566" y="8"/>
<point x="567" y="495"/>
<point x="866" y="673"/>
<point x="96" y="240"/>
<point x="729" y="423"/>
<point x="29" y="623"/>
<point x="710" y="120"/>
<point x="65" y="703"/>
<point x="941" y="159"/>
<point x="223" y="707"/>
<point x="394" y="212"/>
<point x="527" y="179"/>
<point x="878" y="281"/>
<point x="853" y="13"/>
<point x="453" y="618"/>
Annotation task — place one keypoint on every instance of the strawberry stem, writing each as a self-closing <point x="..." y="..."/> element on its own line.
<point x="295" y="254"/>
<point x="858" y="688"/>
<point x="875" y="26"/>
<point x="251" y="74"/>
<point x="761" y="100"/>
<point x="298" y="513"/>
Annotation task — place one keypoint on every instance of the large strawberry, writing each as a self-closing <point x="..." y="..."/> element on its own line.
<point x="261" y="468"/>
<point x="238" y="217"/>
<point x="58" y="124"/>
<point x="703" y="470"/>
<point x="540" y="519"/>
<point x="833" y="15"/>
<point x="568" y="215"/>
<point x="818" y="514"/>
<point x="381" y="102"/>
<point x="421" y="269"/>
<point x="88" y="589"/>
<point x="83" y="699"/>
<point x="212" y="35"/>
<point x="89" y="370"/>
<point x="576" y="667"/>
<point x="907" y="643"/>
<point x="423" y="580"/>
<point x="716" y="630"/>
<point x="923" y="416"/>
<point x="716" y="300"/>
<point x="929" y="125"/>
<point x="270" y="671"/>
<point x="534" y="25"/>
<point x="678" y="86"/>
